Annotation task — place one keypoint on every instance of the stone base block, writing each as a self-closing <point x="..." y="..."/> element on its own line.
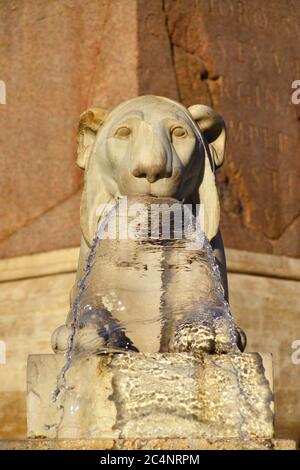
<point x="150" y="396"/>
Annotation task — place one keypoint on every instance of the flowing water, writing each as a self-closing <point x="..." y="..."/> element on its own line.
<point x="156" y="290"/>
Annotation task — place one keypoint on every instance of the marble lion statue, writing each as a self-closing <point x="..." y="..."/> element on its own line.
<point x="149" y="145"/>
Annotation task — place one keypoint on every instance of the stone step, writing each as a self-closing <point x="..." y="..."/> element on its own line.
<point x="148" y="444"/>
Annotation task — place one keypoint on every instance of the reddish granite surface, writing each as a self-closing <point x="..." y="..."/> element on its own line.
<point x="57" y="58"/>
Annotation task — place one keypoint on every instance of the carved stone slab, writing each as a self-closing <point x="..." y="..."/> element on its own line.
<point x="152" y="396"/>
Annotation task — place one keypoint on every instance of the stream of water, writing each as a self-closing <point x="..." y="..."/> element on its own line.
<point x="158" y="290"/>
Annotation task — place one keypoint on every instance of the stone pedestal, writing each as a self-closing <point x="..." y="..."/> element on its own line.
<point x="153" y="396"/>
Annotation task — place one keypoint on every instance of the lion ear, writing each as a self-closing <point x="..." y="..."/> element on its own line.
<point x="89" y="123"/>
<point x="212" y="127"/>
<point x="213" y="130"/>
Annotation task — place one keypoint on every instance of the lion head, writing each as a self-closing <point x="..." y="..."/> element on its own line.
<point x="150" y="145"/>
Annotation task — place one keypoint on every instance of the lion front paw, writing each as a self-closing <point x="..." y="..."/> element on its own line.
<point x="207" y="337"/>
<point x="95" y="332"/>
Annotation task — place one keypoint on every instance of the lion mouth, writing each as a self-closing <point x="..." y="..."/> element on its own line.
<point x="148" y="197"/>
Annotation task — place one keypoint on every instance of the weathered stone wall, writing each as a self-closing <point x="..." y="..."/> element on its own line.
<point x="59" y="57"/>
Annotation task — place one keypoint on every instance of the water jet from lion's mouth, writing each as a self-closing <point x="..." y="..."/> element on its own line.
<point x="150" y="293"/>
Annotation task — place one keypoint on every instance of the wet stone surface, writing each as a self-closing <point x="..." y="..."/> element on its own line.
<point x="132" y="396"/>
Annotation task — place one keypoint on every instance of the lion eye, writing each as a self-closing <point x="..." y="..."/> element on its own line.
<point x="178" y="131"/>
<point x="123" y="131"/>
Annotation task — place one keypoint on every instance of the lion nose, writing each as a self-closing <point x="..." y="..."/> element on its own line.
<point x="151" y="172"/>
<point x="150" y="156"/>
